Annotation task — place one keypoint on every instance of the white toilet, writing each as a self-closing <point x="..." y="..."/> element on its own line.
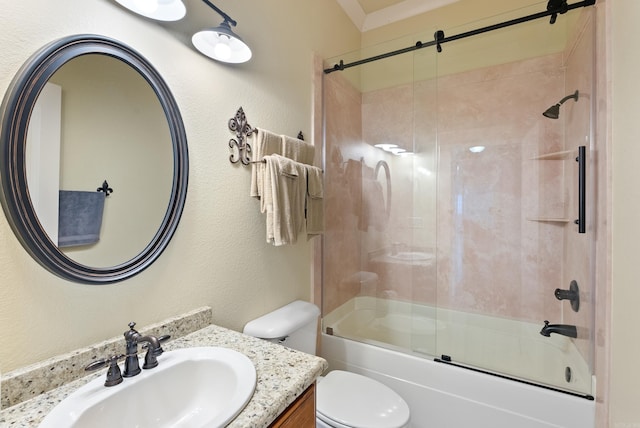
<point x="343" y="399"/>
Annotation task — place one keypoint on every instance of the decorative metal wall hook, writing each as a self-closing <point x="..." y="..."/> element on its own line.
<point x="105" y="188"/>
<point x="243" y="130"/>
<point x="240" y="148"/>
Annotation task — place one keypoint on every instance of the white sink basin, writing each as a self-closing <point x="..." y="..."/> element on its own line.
<point x="191" y="387"/>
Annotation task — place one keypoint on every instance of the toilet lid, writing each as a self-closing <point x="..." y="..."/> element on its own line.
<point x="357" y="401"/>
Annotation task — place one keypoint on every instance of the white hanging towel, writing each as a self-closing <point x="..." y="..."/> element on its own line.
<point x="285" y="186"/>
<point x="298" y="150"/>
<point x="265" y="143"/>
<point x="314" y="203"/>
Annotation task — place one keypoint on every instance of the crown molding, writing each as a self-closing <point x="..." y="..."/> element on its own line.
<point x="397" y="12"/>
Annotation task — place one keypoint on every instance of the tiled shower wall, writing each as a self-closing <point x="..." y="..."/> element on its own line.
<point x="343" y="140"/>
<point x="493" y="254"/>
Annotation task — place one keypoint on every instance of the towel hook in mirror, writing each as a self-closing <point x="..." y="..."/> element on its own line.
<point x="105" y="188"/>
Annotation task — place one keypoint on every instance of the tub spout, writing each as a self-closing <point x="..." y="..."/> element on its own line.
<point x="563" y="329"/>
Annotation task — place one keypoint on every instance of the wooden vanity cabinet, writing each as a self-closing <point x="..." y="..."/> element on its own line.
<point x="301" y="413"/>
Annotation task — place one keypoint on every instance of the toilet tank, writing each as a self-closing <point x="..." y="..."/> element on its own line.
<point x="294" y="325"/>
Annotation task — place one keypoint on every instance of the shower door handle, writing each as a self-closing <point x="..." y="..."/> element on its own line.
<point x="582" y="191"/>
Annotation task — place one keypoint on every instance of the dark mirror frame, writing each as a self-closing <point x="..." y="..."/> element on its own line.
<point x="15" y="114"/>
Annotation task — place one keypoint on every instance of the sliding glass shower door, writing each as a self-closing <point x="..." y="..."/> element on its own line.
<point x="379" y="246"/>
<point x="507" y="197"/>
<point x="450" y="201"/>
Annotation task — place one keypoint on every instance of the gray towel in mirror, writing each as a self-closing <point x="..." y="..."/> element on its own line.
<point x="80" y="217"/>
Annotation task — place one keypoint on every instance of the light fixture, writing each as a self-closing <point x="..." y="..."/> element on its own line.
<point x="220" y="43"/>
<point x="160" y="10"/>
<point x="476" y="149"/>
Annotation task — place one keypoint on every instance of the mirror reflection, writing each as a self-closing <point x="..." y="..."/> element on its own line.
<point x="98" y="119"/>
<point x="82" y="111"/>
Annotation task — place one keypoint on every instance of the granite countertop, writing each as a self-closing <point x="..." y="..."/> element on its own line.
<point x="282" y="375"/>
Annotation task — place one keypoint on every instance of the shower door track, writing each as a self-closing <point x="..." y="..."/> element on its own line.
<point x="445" y="359"/>
<point x="554" y="7"/>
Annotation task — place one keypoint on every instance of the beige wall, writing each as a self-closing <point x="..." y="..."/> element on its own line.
<point x="625" y="147"/>
<point x="218" y="256"/>
<point x="464" y="15"/>
<point x="532" y="39"/>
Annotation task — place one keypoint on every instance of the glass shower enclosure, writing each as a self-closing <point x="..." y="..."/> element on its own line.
<point x="451" y="201"/>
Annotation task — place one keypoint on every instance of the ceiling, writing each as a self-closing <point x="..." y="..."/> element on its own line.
<point x="370" y="14"/>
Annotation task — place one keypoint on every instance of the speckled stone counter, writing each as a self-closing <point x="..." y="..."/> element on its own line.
<point x="31" y="381"/>
<point x="283" y="374"/>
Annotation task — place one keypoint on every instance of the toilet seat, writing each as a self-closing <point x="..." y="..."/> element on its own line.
<point x="349" y="400"/>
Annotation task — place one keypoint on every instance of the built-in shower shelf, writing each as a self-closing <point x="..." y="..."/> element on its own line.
<point x="560" y="156"/>
<point x="566" y="154"/>
<point x="550" y="219"/>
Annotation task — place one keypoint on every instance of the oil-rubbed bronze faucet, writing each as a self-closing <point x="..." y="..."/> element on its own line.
<point x="563" y="329"/>
<point x="132" y="339"/>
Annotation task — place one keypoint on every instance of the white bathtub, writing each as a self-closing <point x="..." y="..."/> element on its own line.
<point x="445" y="396"/>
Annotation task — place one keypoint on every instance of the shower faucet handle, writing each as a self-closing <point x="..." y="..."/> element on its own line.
<point x="572" y="294"/>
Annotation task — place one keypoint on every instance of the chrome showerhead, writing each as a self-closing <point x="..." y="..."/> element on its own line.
<point x="553" y="112"/>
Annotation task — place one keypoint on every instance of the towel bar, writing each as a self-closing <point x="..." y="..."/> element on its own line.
<point x="243" y="130"/>
<point x="265" y="161"/>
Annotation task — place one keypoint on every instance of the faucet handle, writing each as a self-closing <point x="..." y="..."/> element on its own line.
<point x="131" y="325"/>
<point x="154" y="349"/>
<point x="131" y="333"/>
<point x="114" y="376"/>
<point x="572" y="294"/>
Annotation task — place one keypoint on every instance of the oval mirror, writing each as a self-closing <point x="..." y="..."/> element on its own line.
<point x="94" y="160"/>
